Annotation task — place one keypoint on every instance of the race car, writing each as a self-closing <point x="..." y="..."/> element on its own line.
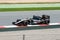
<point x="36" y="20"/>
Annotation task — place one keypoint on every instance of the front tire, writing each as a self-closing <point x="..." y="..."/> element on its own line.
<point x="13" y="23"/>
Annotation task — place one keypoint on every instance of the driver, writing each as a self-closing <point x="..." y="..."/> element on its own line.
<point x="36" y="17"/>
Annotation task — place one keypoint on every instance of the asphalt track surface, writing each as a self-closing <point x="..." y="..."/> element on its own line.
<point x="41" y="34"/>
<point x="6" y="18"/>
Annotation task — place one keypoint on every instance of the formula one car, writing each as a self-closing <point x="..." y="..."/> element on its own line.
<point x="36" y="20"/>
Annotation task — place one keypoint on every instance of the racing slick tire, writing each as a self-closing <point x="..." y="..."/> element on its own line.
<point x="13" y="23"/>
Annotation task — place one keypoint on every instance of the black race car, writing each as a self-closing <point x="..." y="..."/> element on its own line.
<point x="45" y="19"/>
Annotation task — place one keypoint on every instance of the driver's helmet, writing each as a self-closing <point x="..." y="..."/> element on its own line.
<point x="18" y="20"/>
<point x="36" y="17"/>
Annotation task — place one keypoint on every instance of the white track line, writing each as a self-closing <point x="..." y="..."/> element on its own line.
<point x="14" y="26"/>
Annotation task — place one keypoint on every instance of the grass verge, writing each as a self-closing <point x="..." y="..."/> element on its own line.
<point x="29" y="28"/>
<point x="32" y="3"/>
<point x="29" y="9"/>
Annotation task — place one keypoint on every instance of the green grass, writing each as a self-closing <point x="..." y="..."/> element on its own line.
<point x="29" y="9"/>
<point x="29" y="28"/>
<point x="32" y="3"/>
